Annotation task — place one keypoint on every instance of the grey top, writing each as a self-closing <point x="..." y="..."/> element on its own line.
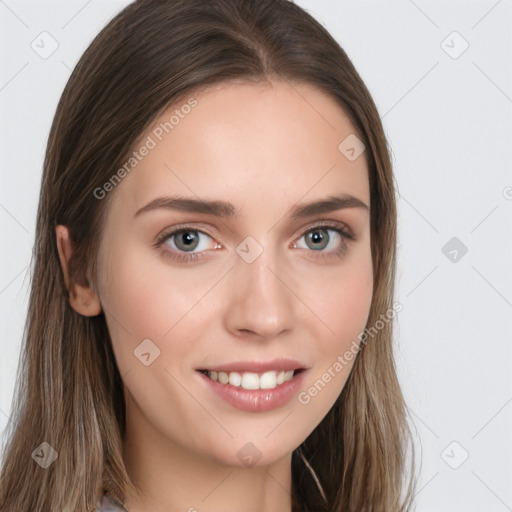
<point x="108" y="503"/>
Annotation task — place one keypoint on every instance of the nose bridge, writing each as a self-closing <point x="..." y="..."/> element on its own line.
<point x="260" y="301"/>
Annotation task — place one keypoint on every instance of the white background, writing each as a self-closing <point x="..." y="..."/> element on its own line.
<point x="449" y="123"/>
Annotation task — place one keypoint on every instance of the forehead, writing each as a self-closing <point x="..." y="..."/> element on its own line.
<point x="280" y="141"/>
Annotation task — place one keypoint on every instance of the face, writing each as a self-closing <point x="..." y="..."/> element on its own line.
<point x="253" y="288"/>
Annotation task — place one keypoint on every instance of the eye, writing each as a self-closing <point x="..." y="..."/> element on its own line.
<point x="185" y="243"/>
<point x="326" y="240"/>
<point x="187" y="240"/>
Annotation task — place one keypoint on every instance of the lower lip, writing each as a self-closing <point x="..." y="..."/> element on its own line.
<point x="256" y="400"/>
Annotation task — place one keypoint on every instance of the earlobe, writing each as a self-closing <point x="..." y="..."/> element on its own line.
<point x="81" y="298"/>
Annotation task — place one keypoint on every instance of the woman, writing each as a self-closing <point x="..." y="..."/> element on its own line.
<point x="210" y="321"/>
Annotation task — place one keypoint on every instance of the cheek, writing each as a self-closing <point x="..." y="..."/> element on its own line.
<point x="348" y="305"/>
<point x="342" y="299"/>
<point x="141" y="301"/>
<point x="346" y="311"/>
<point x="146" y="295"/>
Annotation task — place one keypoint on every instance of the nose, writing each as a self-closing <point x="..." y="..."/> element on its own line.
<point x="261" y="303"/>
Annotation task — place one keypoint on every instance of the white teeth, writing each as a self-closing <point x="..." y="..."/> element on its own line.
<point x="251" y="380"/>
<point x="268" y="380"/>
<point x="284" y="376"/>
<point x="235" y="378"/>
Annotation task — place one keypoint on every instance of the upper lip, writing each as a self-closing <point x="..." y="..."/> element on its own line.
<point x="257" y="366"/>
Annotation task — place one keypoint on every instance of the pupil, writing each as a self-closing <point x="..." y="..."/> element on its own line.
<point x="318" y="236"/>
<point x="188" y="240"/>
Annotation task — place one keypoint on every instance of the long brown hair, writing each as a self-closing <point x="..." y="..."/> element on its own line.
<point x="69" y="391"/>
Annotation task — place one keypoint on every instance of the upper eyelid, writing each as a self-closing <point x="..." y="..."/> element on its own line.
<point x="172" y="230"/>
<point x="330" y="224"/>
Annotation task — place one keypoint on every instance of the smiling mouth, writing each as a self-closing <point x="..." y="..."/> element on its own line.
<point x="251" y="380"/>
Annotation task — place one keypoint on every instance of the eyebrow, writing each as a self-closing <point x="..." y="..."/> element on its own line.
<point x="220" y="208"/>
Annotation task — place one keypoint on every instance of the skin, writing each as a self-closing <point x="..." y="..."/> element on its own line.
<point x="263" y="148"/>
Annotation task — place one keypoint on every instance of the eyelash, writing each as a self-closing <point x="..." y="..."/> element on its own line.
<point x="345" y="234"/>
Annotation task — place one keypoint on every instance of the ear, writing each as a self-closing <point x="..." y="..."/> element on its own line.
<point x="81" y="298"/>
